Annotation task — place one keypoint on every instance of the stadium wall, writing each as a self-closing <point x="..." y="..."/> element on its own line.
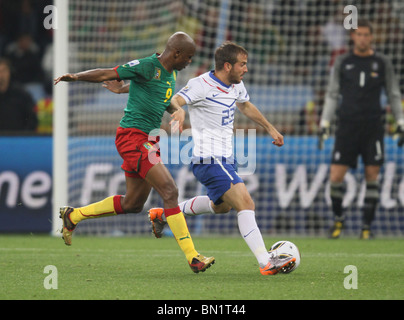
<point x="25" y="184"/>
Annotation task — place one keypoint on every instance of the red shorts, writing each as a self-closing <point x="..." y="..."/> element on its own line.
<point x="139" y="154"/>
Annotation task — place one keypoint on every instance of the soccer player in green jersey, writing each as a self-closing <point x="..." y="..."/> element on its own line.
<point x="152" y="82"/>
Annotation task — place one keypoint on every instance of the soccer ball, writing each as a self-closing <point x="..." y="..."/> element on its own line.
<point x="286" y="249"/>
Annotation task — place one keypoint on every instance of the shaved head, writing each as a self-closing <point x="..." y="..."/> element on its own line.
<point x="179" y="51"/>
<point x="180" y="41"/>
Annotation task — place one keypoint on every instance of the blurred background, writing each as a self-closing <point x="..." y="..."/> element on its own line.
<point x="292" y="46"/>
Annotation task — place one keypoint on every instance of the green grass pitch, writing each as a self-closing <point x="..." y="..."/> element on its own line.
<point x="144" y="268"/>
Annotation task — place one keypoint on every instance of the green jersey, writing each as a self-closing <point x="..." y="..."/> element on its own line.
<point x="150" y="92"/>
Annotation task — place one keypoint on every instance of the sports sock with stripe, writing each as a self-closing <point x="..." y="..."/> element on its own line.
<point x="179" y="228"/>
<point x="196" y="205"/>
<point x="110" y="206"/>
<point x="370" y="203"/>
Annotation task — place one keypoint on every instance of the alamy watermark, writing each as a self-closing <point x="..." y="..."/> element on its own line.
<point x="209" y="146"/>
<point x="51" y="280"/>
<point x="51" y="20"/>
<point x="351" y="281"/>
<point x="351" y="20"/>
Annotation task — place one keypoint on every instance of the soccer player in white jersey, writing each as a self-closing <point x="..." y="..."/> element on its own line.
<point x="212" y="99"/>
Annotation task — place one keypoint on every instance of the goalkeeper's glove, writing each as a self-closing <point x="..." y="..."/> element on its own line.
<point x="323" y="133"/>
<point x="399" y="134"/>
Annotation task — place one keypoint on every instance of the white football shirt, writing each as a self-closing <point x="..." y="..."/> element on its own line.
<point x="211" y="105"/>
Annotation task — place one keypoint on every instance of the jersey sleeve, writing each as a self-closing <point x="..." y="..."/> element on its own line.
<point x="136" y="70"/>
<point x="393" y="90"/>
<point x="243" y="94"/>
<point x="193" y="92"/>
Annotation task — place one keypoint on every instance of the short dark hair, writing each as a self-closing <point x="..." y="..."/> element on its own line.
<point x="364" y="23"/>
<point x="228" y="52"/>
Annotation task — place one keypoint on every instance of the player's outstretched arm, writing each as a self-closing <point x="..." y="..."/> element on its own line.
<point x="95" y="75"/>
<point x="252" y="112"/>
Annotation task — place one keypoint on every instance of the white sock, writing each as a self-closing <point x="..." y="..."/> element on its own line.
<point x="252" y="235"/>
<point x="196" y="205"/>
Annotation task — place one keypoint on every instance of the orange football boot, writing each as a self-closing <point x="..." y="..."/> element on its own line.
<point x="275" y="264"/>
<point x="157" y="222"/>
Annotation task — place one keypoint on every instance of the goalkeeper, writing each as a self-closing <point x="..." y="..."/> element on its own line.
<point x="358" y="78"/>
<point x="151" y="88"/>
